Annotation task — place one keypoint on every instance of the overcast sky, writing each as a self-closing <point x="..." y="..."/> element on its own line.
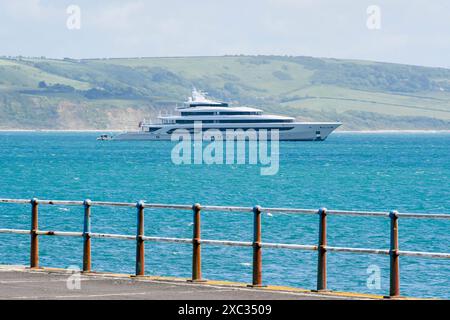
<point x="411" y="31"/>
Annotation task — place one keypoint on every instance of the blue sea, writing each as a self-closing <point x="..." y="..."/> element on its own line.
<point x="409" y="172"/>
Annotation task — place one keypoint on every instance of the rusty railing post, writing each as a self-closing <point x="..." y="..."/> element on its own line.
<point x="87" y="236"/>
<point x="394" y="288"/>
<point x="322" y="251"/>
<point x="257" y="252"/>
<point x="140" y="248"/>
<point x="34" y="248"/>
<point x="196" y="245"/>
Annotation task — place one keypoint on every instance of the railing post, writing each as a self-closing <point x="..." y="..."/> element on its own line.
<point x="394" y="288"/>
<point x="87" y="236"/>
<point x="34" y="249"/>
<point x="196" y="245"/>
<point x="322" y="251"/>
<point x="140" y="249"/>
<point x="257" y="254"/>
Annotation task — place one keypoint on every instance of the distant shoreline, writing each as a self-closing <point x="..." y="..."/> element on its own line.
<point x="118" y="130"/>
<point x="393" y="131"/>
<point x="56" y="130"/>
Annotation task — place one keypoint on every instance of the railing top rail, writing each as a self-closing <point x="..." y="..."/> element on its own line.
<point x="15" y="201"/>
<point x="358" y="213"/>
<point x="167" y="206"/>
<point x="61" y="202"/>
<point x="232" y="208"/>
<point x="425" y="215"/>
<point x="112" y="204"/>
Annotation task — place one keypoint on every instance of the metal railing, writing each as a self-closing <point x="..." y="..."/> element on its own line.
<point x="322" y="247"/>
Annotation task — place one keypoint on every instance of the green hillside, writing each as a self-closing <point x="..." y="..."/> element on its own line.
<point x="39" y="93"/>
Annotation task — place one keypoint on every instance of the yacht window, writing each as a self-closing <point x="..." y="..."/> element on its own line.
<point x="239" y="113"/>
<point x="197" y="113"/>
<point x="238" y="121"/>
<point x="222" y="113"/>
<point x="191" y="130"/>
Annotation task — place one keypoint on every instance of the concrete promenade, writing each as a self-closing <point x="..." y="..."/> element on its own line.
<point x="18" y="282"/>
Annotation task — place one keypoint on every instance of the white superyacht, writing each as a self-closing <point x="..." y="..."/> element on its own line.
<point x="220" y="116"/>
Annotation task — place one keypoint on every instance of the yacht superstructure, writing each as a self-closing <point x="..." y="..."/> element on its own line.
<point x="220" y="116"/>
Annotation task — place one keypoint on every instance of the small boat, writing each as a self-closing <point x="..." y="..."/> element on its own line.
<point x="104" y="137"/>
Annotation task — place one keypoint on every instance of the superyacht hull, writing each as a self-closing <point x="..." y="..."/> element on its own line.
<point x="297" y="131"/>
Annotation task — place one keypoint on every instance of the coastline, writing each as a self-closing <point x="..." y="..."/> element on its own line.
<point x="63" y="130"/>
<point x="393" y="131"/>
<point x="121" y="130"/>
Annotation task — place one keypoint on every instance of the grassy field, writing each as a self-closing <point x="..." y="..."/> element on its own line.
<point x="39" y="93"/>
